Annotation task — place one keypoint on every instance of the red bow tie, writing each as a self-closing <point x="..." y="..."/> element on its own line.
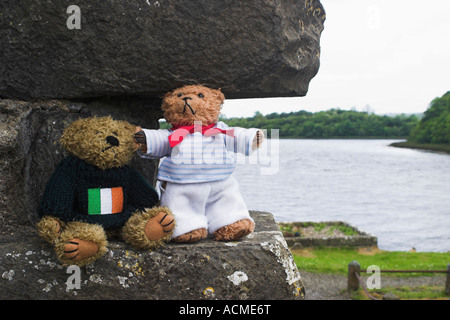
<point x="179" y="132"/>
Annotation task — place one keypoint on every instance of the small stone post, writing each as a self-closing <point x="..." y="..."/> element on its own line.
<point x="352" y="280"/>
<point x="447" y="283"/>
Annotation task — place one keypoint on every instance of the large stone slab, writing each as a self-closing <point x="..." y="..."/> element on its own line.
<point x="258" y="267"/>
<point x="251" y="48"/>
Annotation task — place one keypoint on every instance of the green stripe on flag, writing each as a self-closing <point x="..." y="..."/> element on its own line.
<point x="94" y="206"/>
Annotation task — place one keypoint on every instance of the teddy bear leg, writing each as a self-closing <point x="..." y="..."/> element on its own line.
<point x="192" y="236"/>
<point x="187" y="202"/>
<point x="49" y="228"/>
<point x="150" y="228"/>
<point x="235" y="230"/>
<point x="81" y="243"/>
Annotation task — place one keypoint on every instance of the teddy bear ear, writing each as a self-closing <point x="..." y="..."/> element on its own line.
<point x="222" y="96"/>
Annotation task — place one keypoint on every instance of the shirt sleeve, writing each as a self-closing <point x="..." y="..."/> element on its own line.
<point x="157" y="144"/>
<point x="241" y="141"/>
<point x="58" y="197"/>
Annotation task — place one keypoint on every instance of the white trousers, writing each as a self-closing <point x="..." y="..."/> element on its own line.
<point x="209" y="205"/>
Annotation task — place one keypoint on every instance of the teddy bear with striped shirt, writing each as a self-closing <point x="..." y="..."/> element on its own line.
<point x="199" y="158"/>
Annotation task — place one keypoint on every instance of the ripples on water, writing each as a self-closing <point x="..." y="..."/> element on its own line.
<point x="402" y="196"/>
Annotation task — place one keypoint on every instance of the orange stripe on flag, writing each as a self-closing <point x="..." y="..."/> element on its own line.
<point x="117" y="199"/>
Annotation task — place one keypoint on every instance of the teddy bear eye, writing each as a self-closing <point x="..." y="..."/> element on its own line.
<point x="180" y="94"/>
<point x="200" y="95"/>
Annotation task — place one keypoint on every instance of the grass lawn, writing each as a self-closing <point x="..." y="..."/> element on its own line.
<point x="336" y="260"/>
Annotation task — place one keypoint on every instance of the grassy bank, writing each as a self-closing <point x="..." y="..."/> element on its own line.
<point x="336" y="260"/>
<point x="423" y="146"/>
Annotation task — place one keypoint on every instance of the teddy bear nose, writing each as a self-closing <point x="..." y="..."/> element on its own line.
<point x="113" y="141"/>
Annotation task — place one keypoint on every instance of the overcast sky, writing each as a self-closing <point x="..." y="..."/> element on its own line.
<point x="391" y="55"/>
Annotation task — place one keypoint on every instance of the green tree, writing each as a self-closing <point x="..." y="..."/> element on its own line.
<point x="435" y="125"/>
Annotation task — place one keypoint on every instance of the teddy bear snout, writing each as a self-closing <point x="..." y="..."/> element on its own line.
<point x="186" y="104"/>
<point x="113" y="141"/>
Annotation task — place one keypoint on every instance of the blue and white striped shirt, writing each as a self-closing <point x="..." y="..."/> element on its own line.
<point x="198" y="158"/>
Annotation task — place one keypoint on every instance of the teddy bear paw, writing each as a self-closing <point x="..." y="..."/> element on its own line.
<point x="159" y="226"/>
<point x="49" y="228"/>
<point x="192" y="236"/>
<point x="235" y="231"/>
<point x="79" y="250"/>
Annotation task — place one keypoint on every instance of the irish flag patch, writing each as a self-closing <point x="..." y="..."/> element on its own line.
<point x="105" y="200"/>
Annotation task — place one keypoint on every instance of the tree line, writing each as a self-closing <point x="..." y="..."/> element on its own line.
<point x="334" y="123"/>
<point x="434" y="128"/>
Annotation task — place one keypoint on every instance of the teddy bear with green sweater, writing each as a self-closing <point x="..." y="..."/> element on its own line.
<point x="94" y="194"/>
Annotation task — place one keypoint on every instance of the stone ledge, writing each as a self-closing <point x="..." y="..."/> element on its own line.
<point x="360" y="239"/>
<point x="259" y="267"/>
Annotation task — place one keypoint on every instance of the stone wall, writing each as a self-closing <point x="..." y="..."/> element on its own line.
<point x="258" y="267"/>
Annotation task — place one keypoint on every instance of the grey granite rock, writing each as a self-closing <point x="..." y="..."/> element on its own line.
<point x="258" y="267"/>
<point x="252" y="48"/>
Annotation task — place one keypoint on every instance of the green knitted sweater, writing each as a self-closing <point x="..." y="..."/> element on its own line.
<point x="78" y="191"/>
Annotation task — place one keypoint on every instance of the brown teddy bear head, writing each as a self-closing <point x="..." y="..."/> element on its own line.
<point x="102" y="142"/>
<point x="188" y="104"/>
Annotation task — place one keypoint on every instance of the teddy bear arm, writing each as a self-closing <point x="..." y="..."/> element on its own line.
<point x="258" y="140"/>
<point x="58" y="197"/>
<point x="156" y="143"/>
<point x="141" y="194"/>
<point x="244" y="140"/>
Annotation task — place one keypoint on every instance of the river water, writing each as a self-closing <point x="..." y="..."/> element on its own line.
<point x="401" y="196"/>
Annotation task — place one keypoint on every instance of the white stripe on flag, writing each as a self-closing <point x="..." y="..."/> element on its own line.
<point x="106" y="201"/>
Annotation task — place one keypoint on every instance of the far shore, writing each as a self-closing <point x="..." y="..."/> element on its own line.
<point x="445" y="148"/>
